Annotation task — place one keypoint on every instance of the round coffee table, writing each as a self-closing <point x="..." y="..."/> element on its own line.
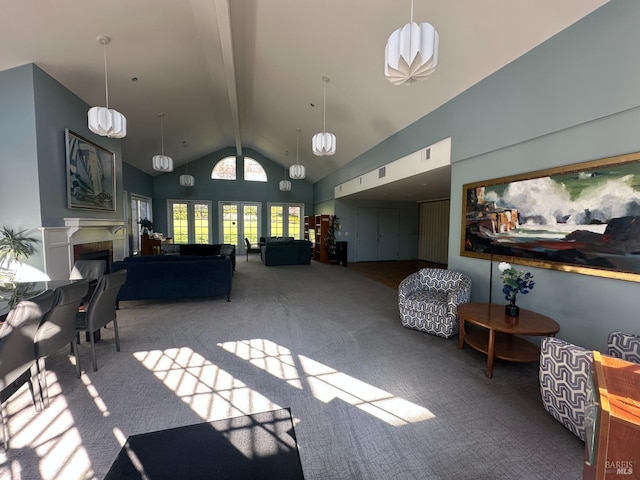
<point x="497" y="335"/>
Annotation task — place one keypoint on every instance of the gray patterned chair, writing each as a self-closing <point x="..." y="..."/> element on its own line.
<point x="564" y="373"/>
<point x="428" y="300"/>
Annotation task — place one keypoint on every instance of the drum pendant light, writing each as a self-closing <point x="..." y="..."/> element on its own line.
<point x="162" y="163"/>
<point x="324" y="143"/>
<point x="285" y="185"/>
<point x="411" y="53"/>
<point x="105" y="121"/>
<point x="297" y="171"/>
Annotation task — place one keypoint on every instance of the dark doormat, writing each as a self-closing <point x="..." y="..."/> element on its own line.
<point x="259" y="446"/>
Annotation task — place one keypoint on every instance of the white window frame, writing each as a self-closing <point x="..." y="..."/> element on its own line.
<point x="191" y="234"/>
<point x="285" y="218"/>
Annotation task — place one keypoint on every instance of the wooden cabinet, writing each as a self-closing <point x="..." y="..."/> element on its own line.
<point x="150" y="246"/>
<point x="612" y="420"/>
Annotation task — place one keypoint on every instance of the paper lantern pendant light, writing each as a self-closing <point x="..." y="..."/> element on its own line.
<point x="297" y="171"/>
<point x="411" y="53"/>
<point x="187" y="180"/>
<point x="324" y="143"/>
<point x="162" y="162"/>
<point x="285" y="185"/>
<point x="105" y="121"/>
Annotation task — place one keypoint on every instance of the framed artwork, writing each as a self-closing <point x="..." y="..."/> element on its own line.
<point x="91" y="174"/>
<point x="582" y="218"/>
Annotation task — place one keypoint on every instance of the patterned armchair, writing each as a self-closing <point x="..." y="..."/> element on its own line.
<point x="564" y="374"/>
<point x="428" y="300"/>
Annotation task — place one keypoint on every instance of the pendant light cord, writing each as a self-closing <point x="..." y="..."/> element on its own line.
<point x="106" y="83"/>
<point x="411" y="11"/>
<point x="297" y="143"/>
<point x="161" y="115"/>
<point x="324" y="105"/>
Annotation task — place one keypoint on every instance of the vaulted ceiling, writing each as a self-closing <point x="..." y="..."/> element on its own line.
<point x="248" y="73"/>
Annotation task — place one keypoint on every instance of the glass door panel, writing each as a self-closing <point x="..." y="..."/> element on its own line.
<point x="229" y="216"/>
<point x="201" y="222"/>
<point x="180" y="217"/>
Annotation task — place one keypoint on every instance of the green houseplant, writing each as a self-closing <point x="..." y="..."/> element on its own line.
<point x="15" y="247"/>
<point x="330" y="237"/>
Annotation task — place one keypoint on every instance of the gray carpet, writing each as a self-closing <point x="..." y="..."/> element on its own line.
<point x="369" y="398"/>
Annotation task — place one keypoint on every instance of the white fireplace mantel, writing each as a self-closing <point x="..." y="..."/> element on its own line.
<point x="75" y="224"/>
<point x="58" y="242"/>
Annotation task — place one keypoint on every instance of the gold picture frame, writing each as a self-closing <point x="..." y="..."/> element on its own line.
<point x="582" y="218"/>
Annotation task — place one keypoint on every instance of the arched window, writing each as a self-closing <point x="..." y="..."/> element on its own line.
<point x="253" y="171"/>
<point x="225" y="169"/>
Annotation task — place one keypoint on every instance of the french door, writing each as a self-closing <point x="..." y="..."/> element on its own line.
<point x="286" y="220"/>
<point x="189" y="221"/>
<point x="240" y="220"/>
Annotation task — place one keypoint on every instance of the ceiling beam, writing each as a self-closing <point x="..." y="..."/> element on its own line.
<point x="226" y="42"/>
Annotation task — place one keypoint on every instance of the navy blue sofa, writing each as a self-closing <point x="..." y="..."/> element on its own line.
<point x="175" y="276"/>
<point x="286" y="252"/>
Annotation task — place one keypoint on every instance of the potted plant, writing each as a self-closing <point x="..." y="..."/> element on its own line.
<point x="330" y="237"/>
<point x="15" y="247"/>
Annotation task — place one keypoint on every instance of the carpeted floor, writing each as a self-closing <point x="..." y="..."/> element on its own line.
<point x="369" y="398"/>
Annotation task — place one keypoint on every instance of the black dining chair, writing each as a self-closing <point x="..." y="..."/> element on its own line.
<point x="251" y="249"/>
<point x="91" y="270"/>
<point x="58" y="329"/>
<point x="17" y="357"/>
<point x="101" y="310"/>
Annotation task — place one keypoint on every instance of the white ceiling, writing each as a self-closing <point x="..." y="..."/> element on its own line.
<point x="246" y="73"/>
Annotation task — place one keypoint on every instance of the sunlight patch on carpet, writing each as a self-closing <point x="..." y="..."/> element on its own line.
<point x="210" y="391"/>
<point x="268" y="356"/>
<point x="325" y="383"/>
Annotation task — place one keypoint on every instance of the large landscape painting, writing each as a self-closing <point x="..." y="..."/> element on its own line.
<point x="582" y="218"/>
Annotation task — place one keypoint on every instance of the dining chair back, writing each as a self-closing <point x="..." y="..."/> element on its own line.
<point x="17" y="356"/>
<point x="91" y="270"/>
<point x="58" y="329"/>
<point x="101" y="310"/>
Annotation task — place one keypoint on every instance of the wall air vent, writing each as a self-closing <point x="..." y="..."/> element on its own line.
<point x="426" y="154"/>
<point x="382" y="172"/>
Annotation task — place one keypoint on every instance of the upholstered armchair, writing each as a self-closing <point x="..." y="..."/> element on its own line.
<point x="428" y="300"/>
<point x="564" y="375"/>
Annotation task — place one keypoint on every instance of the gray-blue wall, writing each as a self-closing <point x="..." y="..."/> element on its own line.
<point x="572" y="99"/>
<point x="167" y="187"/>
<point x="34" y="111"/>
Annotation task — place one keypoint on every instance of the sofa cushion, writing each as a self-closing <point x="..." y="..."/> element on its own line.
<point x="624" y="345"/>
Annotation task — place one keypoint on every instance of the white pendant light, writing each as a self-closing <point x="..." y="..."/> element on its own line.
<point x="285" y="185"/>
<point x="187" y="180"/>
<point x="162" y="163"/>
<point x="297" y="171"/>
<point x="105" y="121"/>
<point x="324" y="143"/>
<point x="411" y="53"/>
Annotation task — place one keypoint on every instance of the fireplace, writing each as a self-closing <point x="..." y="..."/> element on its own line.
<point x="95" y="251"/>
<point x="86" y="238"/>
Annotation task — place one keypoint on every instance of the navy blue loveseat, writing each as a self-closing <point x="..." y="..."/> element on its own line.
<point x="175" y="276"/>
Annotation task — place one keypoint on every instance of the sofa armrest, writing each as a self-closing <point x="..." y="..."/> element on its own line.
<point x="564" y="374"/>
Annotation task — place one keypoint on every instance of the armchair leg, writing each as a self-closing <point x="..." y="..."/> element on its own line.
<point x="117" y="335"/>
<point x="35" y="387"/>
<point x="5" y="430"/>
<point x="93" y="351"/>
<point x="74" y="350"/>
<point x="42" y="378"/>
